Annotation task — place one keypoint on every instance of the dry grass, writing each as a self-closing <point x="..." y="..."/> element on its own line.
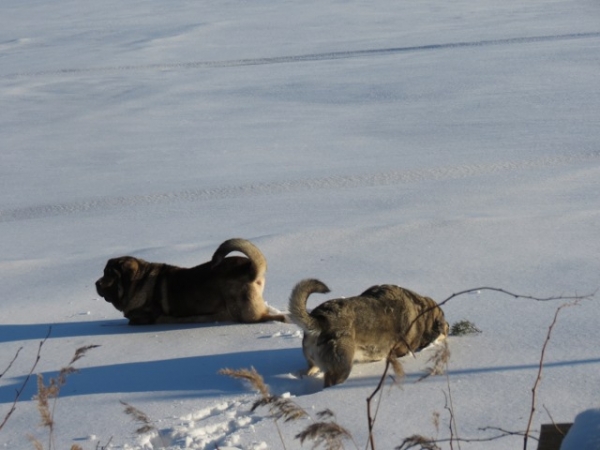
<point x="418" y="441"/>
<point x="279" y="407"/>
<point x="330" y="435"/>
<point x="27" y="378"/>
<point x="325" y="432"/>
<point x="47" y="396"/>
<point x="438" y="361"/>
<point x="463" y="328"/>
<point x="140" y="417"/>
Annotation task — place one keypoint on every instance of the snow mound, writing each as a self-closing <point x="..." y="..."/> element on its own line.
<point x="585" y="432"/>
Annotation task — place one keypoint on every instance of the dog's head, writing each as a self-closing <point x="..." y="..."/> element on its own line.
<point x="119" y="274"/>
<point x="439" y="329"/>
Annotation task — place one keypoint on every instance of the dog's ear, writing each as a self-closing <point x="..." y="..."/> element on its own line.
<point x="112" y="272"/>
<point x="130" y="266"/>
<point x="123" y="272"/>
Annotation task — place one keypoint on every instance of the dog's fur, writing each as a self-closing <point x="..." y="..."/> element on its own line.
<point x="223" y="289"/>
<point x="368" y="327"/>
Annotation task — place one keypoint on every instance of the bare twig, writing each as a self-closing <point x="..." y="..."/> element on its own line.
<point x="416" y="440"/>
<point x="12" y="362"/>
<point x="431" y="444"/>
<point x="541" y="365"/>
<point x="449" y="405"/>
<point x="440" y="362"/>
<point x="22" y="388"/>
<point x="435" y="370"/>
<point x="528" y="297"/>
<point x="370" y="417"/>
<point x="505" y="433"/>
<point x="575" y="298"/>
<point x="103" y="447"/>
<point x="556" y="427"/>
<point x="493" y="289"/>
<point x="393" y="363"/>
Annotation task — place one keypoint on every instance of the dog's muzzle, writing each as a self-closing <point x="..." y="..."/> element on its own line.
<point x="100" y="288"/>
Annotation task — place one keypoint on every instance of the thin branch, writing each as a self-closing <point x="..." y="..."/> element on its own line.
<point x="12" y="362"/>
<point x="556" y="427"/>
<point x="529" y="297"/>
<point x="428" y="443"/>
<point x="370" y="418"/>
<point x="453" y="418"/>
<point x="419" y="439"/>
<point x="22" y="388"/>
<point x="541" y="365"/>
<point x="280" y="434"/>
<point x="506" y="433"/>
<point x="449" y="405"/>
<point x="575" y="298"/>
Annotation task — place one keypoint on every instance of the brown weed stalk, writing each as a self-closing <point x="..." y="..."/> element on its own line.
<point x="140" y="417"/>
<point x="279" y="407"/>
<point x="418" y="441"/>
<point x="325" y="432"/>
<point x="146" y="424"/>
<point x="328" y="434"/>
<point x="396" y="366"/>
<point x="47" y="394"/>
<point x="22" y="388"/>
<point x="541" y="365"/>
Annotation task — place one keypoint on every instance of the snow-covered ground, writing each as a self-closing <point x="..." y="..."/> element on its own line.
<point x="436" y="145"/>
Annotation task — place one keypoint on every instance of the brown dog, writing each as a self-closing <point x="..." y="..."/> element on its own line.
<point x="368" y="327"/>
<point x="223" y="289"/>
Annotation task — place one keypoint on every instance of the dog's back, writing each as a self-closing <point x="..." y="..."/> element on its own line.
<point x="419" y="320"/>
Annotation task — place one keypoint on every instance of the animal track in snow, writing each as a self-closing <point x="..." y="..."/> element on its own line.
<point x="279" y="187"/>
<point x="209" y="428"/>
<point x="328" y="56"/>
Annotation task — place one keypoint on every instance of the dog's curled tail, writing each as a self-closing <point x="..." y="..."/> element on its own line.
<point x="297" y="306"/>
<point x="258" y="260"/>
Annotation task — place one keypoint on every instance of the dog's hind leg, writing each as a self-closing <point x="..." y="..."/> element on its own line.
<point x="337" y="356"/>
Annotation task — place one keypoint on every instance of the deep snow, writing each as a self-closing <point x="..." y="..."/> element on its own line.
<point x="439" y="146"/>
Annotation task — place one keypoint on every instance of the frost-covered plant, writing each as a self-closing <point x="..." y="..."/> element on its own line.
<point x="463" y="327"/>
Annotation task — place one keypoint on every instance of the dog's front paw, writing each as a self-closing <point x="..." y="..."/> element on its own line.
<point x="314" y="371"/>
<point x="140" y="317"/>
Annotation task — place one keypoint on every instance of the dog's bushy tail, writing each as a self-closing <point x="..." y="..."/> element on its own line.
<point x="258" y="260"/>
<point x="297" y="306"/>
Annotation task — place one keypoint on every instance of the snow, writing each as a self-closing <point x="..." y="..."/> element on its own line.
<point x="434" y="145"/>
<point x="585" y="432"/>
